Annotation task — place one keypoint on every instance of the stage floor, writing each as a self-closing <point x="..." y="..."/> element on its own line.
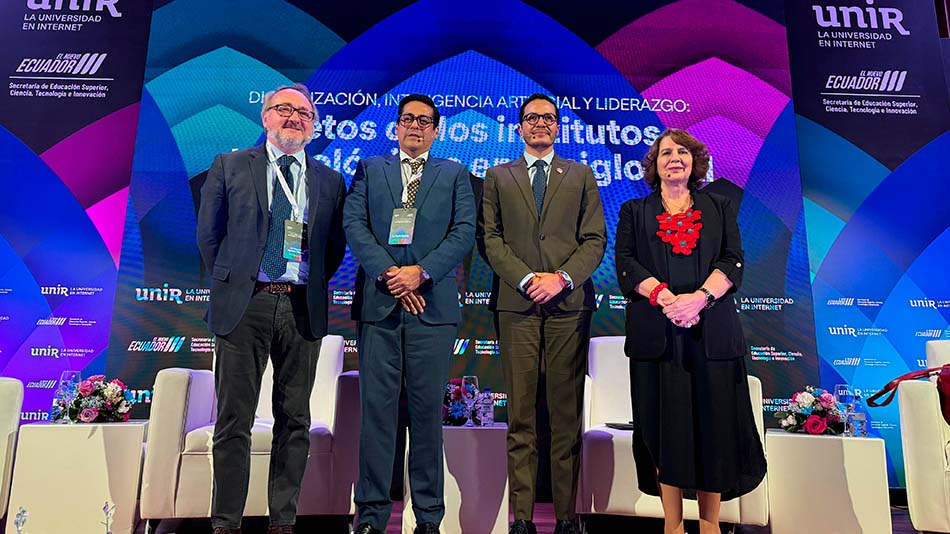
<point x="543" y="514"/>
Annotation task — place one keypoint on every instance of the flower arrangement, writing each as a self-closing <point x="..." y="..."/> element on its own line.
<point x="95" y="400"/>
<point x="454" y="410"/>
<point x="813" y="410"/>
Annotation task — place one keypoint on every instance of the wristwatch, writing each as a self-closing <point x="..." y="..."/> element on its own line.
<point x="563" y="276"/>
<point x="710" y="299"/>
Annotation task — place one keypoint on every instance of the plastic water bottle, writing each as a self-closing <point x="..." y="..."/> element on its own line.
<point x="859" y="418"/>
<point x="486" y="408"/>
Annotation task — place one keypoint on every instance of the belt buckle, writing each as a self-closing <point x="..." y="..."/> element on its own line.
<point x="280" y="288"/>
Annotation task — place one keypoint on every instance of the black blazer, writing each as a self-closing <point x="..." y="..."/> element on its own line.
<point x="233" y="220"/>
<point x="639" y="254"/>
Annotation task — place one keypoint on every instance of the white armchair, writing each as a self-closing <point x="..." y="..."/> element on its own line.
<point x="925" y="437"/>
<point x="177" y="476"/>
<point x="608" y="481"/>
<point x="11" y="400"/>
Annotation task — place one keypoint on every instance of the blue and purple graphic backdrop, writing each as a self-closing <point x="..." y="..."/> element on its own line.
<point x="872" y="118"/>
<point x="621" y="74"/>
<point x="79" y="205"/>
<point x="68" y="117"/>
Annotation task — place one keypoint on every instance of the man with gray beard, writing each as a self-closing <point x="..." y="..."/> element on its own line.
<point x="270" y="235"/>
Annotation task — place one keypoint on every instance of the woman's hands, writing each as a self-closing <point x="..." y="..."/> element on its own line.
<point x="682" y="310"/>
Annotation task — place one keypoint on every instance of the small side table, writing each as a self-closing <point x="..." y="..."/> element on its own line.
<point x="827" y="484"/>
<point x="476" y="481"/>
<point x="64" y="475"/>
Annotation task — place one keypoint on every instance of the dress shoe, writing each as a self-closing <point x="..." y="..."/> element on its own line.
<point x="565" y="526"/>
<point x="281" y="529"/>
<point x="222" y="530"/>
<point x="426" y="528"/>
<point x="522" y="526"/>
<point x="366" y="528"/>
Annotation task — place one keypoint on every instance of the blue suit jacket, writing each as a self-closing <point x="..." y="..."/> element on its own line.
<point x="233" y="220"/>
<point x="444" y="234"/>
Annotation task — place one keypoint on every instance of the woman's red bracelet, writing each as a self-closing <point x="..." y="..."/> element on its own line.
<point x="656" y="292"/>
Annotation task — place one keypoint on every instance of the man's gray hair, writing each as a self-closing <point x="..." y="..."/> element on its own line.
<point x="299" y="87"/>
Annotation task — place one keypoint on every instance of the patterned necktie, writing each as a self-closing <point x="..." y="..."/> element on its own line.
<point x="539" y="183"/>
<point x="415" y="166"/>
<point x="274" y="264"/>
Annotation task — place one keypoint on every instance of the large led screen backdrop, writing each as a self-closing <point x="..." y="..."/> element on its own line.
<point x="621" y="73"/>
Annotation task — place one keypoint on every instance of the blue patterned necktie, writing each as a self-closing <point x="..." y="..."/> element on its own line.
<point x="539" y="183"/>
<point x="274" y="264"/>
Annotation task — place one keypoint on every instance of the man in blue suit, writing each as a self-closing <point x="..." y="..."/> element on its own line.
<point x="409" y="220"/>
<point x="270" y="234"/>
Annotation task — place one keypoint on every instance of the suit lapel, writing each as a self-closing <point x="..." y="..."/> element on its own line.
<point x="258" y="167"/>
<point x="429" y="175"/>
<point x="559" y="169"/>
<point x="652" y="208"/>
<point x="519" y="170"/>
<point x="393" y="173"/>
<point x="711" y="225"/>
<point x="313" y="192"/>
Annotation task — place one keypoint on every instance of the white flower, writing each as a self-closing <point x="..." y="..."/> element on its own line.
<point x="805" y="399"/>
<point x="113" y="392"/>
<point x="788" y="421"/>
<point x="124" y="407"/>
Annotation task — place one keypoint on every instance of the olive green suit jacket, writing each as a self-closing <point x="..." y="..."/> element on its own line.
<point x="568" y="235"/>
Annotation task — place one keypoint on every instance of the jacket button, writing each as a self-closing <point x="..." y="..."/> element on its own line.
<point x="541" y="237"/>
<point x="624" y="273"/>
<point x="738" y="264"/>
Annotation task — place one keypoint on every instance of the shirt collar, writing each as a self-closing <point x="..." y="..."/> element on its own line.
<point x="424" y="156"/>
<point x="529" y="159"/>
<point x="273" y="153"/>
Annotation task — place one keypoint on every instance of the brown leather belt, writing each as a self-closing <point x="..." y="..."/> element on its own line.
<point x="276" y="288"/>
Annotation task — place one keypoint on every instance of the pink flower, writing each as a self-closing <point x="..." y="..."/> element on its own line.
<point x="86" y="388"/>
<point x="815" y="424"/>
<point x="118" y="382"/>
<point x="97" y="378"/>
<point x="88" y="415"/>
<point x="795" y="397"/>
<point x="126" y="417"/>
<point x="827" y="400"/>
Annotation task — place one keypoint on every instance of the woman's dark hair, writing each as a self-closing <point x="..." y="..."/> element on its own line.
<point x="681" y="137"/>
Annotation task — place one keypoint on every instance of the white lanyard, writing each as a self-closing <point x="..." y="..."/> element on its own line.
<point x="291" y="197"/>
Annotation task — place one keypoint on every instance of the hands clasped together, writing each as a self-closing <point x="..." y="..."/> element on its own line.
<point x="683" y="309"/>
<point x="544" y="286"/>
<point x="403" y="283"/>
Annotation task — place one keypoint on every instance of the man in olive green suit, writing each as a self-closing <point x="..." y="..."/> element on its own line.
<point x="541" y="228"/>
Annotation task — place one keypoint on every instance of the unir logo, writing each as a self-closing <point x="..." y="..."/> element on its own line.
<point x="885" y="18"/>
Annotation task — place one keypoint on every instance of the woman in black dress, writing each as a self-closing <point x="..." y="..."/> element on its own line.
<point x="679" y="258"/>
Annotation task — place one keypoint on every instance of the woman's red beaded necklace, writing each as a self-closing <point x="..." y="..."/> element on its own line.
<point x="680" y="230"/>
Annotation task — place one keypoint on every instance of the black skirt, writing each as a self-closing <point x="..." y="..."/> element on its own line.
<point x="693" y="417"/>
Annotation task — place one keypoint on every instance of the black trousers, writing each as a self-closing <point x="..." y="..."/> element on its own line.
<point x="402" y="349"/>
<point x="561" y="339"/>
<point x="278" y="326"/>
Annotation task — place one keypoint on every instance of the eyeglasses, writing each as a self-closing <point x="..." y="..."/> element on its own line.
<point x="532" y="118"/>
<point x="287" y="111"/>
<point x="424" y="121"/>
